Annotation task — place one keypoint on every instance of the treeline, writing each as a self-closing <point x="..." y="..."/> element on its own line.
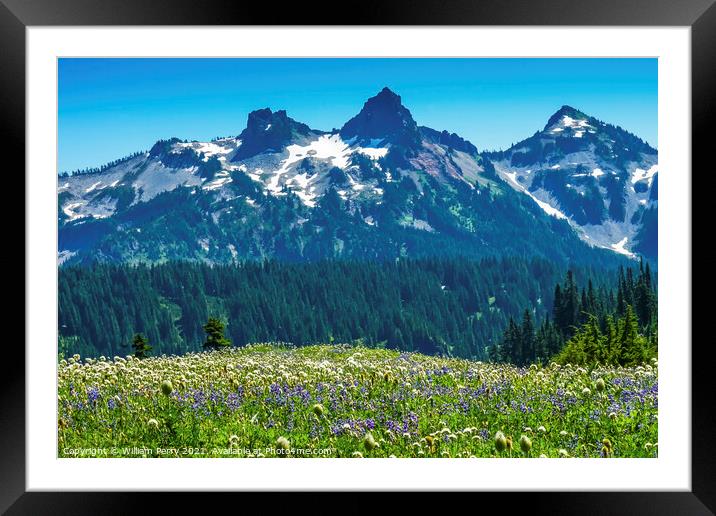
<point x="97" y="170"/>
<point x="589" y="325"/>
<point x="451" y="306"/>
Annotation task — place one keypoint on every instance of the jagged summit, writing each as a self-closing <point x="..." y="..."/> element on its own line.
<point x="387" y="93"/>
<point x="269" y="130"/>
<point x="383" y="117"/>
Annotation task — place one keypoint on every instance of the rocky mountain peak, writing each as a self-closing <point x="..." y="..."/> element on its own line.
<point x="383" y="117"/>
<point x="268" y="130"/>
<point x="567" y="117"/>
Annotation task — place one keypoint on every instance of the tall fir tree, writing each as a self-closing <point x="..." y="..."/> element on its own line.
<point x="141" y="346"/>
<point x="215" y="338"/>
<point x="527" y="338"/>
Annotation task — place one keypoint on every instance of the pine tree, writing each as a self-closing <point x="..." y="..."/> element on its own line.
<point x="527" y="337"/>
<point x="557" y="310"/>
<point x="584" y="310"/>
<point x="592" y="307"/>
<point x="215" y="339"/>
<point x="629" y="291"/>
<point x="613" y="345"/>
<point x="400" y="303"/>
<point x="511" y="346"/>
<point x="141" y="346"/>
<point x="549" y="341"/>
<point x="621" y="296"/>
<point x="594" y="345"/>
<point x="632" y="344"/>
<point x="571" y="304"/>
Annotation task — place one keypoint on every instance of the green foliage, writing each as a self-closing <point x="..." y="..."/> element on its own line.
<point x="68" y="345"/>
<point x="141" y="346"/>
<point x="451" y="306"/>
<point x="622" y="344"/>
<point x="590" y="326"/>
<point x="215" y="338"/>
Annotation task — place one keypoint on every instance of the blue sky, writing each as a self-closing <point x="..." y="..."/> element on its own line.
<point x="109" y="108"/>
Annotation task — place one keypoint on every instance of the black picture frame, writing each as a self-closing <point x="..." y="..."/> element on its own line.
<point x="700" y="15"/>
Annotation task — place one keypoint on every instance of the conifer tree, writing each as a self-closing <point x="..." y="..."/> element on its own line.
<point x="527" y="338"/>
<point x="557" y="302"/>
<point x="632" y="345"/>
<point x="510" y="351"/>
<point x="591" y="298"/>
<point x="629" y="287"/>
<point x="215" y="338"/>
<point x="584" y="310"/>
<point x="571" y="305"/>
<point x="621" y="297"/>
<point x="613" y="344"/>
<point x="594" y="345"/>
<point x="141" y="346"/>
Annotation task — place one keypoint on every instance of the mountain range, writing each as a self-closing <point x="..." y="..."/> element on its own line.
<point x="380" y="187"/>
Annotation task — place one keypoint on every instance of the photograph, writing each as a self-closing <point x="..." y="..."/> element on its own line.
<point x="423" y="235"/>
<point x="357" y="257"/>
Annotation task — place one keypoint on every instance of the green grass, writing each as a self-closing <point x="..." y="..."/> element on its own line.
<point x="341" y="401"/>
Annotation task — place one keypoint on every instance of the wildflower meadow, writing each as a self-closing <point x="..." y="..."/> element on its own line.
<point x="272" y="400"/>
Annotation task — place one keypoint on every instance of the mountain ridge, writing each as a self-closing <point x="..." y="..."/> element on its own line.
<point x="380" y="187"/>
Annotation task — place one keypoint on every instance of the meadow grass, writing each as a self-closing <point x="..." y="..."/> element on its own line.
<point x="269" y="400"/>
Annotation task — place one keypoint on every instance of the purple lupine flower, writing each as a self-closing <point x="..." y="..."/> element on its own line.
<point x="92" y="396"/>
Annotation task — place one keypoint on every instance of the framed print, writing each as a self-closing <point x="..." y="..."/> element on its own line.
<point x="416" y="253"/>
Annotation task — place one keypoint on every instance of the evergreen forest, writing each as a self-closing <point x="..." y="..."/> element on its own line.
<point x="506" y="309"/>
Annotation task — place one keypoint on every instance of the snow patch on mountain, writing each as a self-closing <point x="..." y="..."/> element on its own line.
<point x="64" y="255"/>
<point x="218" y="148"/>
<point x="287" y="174"/>
<point x="548" y="209"/>
<point x="620" y="248"/>
<point x="216" y="183"/>
<point x="577" y="127"/>
<point x="373" y="153"/>
<point x="329" y="147"/>
<point x="71" y="210"/>
<point x="93" y="186"/>
<point x="640" y="174"/>
<point x="302" y="189"/>
<point x="512" y="179"/>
